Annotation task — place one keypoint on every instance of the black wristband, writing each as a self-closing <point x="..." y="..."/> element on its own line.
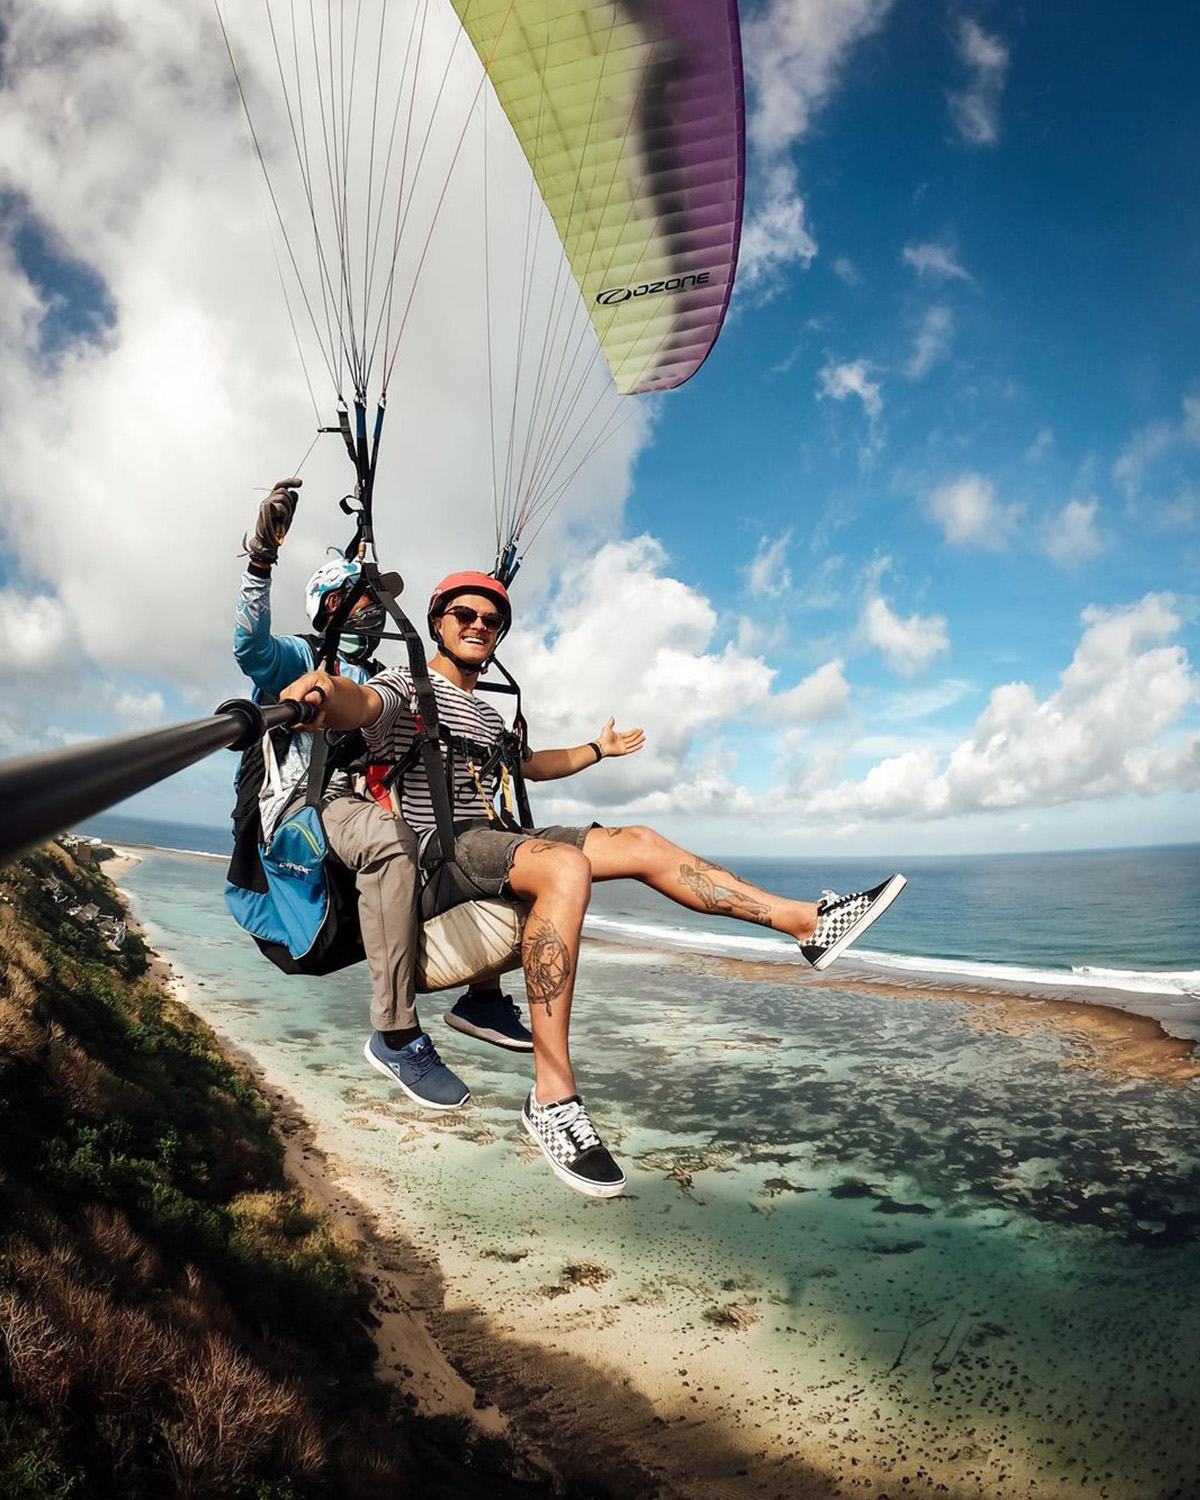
<point x="592" y="745"/>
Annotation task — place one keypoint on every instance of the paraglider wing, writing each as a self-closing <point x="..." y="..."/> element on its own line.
<point x="631" y="116"/>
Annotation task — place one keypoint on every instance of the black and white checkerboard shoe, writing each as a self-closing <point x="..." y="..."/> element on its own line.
<point x="841" y="920"/>
<point x="569" y="1142"/>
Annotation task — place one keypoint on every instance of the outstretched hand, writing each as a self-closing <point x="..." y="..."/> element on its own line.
<point x="274" y="518"/>
<point x="619" y="741"/>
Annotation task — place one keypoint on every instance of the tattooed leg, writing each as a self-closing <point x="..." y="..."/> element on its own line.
<point x="556" y="879"/>
<point x="701" y="884"/>
<point x="727" y="897"/>
<point x="547" y="963"/>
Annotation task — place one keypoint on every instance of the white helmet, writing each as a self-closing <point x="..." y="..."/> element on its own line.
<point x="329" y="578"/>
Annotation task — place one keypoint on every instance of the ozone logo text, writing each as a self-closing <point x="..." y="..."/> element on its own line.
<point x="616" y="294"/>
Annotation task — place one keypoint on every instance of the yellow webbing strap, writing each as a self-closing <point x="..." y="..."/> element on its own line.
<point x="506" y="792"/>
<point x="473" y="771"/>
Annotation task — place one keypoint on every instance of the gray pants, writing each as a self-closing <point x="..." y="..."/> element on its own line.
<point x="382" y="851"/>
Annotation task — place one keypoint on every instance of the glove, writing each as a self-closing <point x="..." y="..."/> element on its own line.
<point x="274" y="518"/>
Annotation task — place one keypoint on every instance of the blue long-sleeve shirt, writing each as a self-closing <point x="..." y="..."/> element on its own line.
<point x="271" y="662"/>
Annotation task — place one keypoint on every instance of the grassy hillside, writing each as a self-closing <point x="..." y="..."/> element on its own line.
<point x="175" y="1320"/>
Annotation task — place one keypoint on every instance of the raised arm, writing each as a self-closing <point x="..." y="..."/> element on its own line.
<point x="552" y="765"/>
<point x="269" y="661"/>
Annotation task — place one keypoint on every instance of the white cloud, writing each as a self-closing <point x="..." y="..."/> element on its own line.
<point x="1157" y="463"/>
<point x="1141" y="452"/>
<point x="1041" y="445"/>
<point x="922" y="703"/>
<point x="975" y="111"/>
<point x="37" y="631"/>
<point x="823" y="694"/>
<point x="796" y="51"/>
<point x="769" y="575"/>
<point x="969" y="514"/>
<point x="823" y="586"/>
<point x="134" y="461"/>
<point x="1097" y="735"/>
<point x="907" y="644"/>
<point x="775" y="235"/>
<point x="932" y="343"/>
<point x="936" y="261"/>
<point x="1070" y="537"/>
<point x="668" y="674"/>
<point x="140" y="710"/>
<point x="845" y="270"/>
<point x="762" y="634"/>
<point x="851" y="378"/>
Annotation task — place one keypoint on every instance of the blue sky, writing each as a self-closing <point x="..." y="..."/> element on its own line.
<point x="946" y="451"/>
<point x="1068" y="252"/>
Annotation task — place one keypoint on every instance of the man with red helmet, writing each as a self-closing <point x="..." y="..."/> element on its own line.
<point x="551" y="869"/>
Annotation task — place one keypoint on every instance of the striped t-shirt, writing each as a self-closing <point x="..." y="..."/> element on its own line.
<point x="393" y="732"/>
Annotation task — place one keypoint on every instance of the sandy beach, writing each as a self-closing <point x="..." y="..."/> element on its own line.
<point x="579" y="1332"/>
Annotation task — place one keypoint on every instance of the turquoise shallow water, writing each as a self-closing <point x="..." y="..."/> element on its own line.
<point x="873" y="1231"/>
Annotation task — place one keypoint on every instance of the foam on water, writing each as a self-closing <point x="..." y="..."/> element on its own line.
<point x="662" y="935"/>
<point x="191" y="853"/>
<point x="1083" y="976"/>
<point x="1184" y="983"/>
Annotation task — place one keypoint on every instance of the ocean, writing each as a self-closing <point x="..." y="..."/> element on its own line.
<point x="907" y="1243"/>
<point x="1122" y="921"/>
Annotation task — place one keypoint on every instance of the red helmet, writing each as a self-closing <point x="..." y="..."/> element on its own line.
<point x="469" y="583"/>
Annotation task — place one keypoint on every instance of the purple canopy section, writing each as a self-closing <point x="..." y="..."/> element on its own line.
<point x="693" y="132"/>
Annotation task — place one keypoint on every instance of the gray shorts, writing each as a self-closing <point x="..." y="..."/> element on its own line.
<point x="484" y="853"/>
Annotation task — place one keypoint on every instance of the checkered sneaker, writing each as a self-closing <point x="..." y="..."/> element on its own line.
<point x="841" y="920"/>
<point x="569" y="1142"/>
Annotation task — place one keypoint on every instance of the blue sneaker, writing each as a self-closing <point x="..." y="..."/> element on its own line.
<point x="418" y="1070"/>
<point x="497" y="1021"/>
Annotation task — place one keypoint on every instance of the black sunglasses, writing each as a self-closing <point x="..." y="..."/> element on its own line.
<point x="465" y="617"/>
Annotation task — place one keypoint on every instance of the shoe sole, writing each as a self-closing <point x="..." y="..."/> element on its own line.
<point x="496" y="1038"/>
<point x="382" y="1067"/>
<point x="580" y="1184"/>
<point x="872" y="914"/>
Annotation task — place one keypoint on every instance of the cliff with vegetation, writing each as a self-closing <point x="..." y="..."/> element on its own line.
<point x="175" y="1318"/>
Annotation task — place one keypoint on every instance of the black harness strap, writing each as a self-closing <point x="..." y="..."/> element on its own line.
<point x="427" y="743"/>
<point x="325" y="757"/>
<point x="518" y="735"/>
<point x="372" y="583"/>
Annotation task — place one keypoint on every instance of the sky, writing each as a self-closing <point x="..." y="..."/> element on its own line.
<point x="909" y="567"/>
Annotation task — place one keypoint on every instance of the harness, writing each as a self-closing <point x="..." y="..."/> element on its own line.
<point x="484" y="762"/>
